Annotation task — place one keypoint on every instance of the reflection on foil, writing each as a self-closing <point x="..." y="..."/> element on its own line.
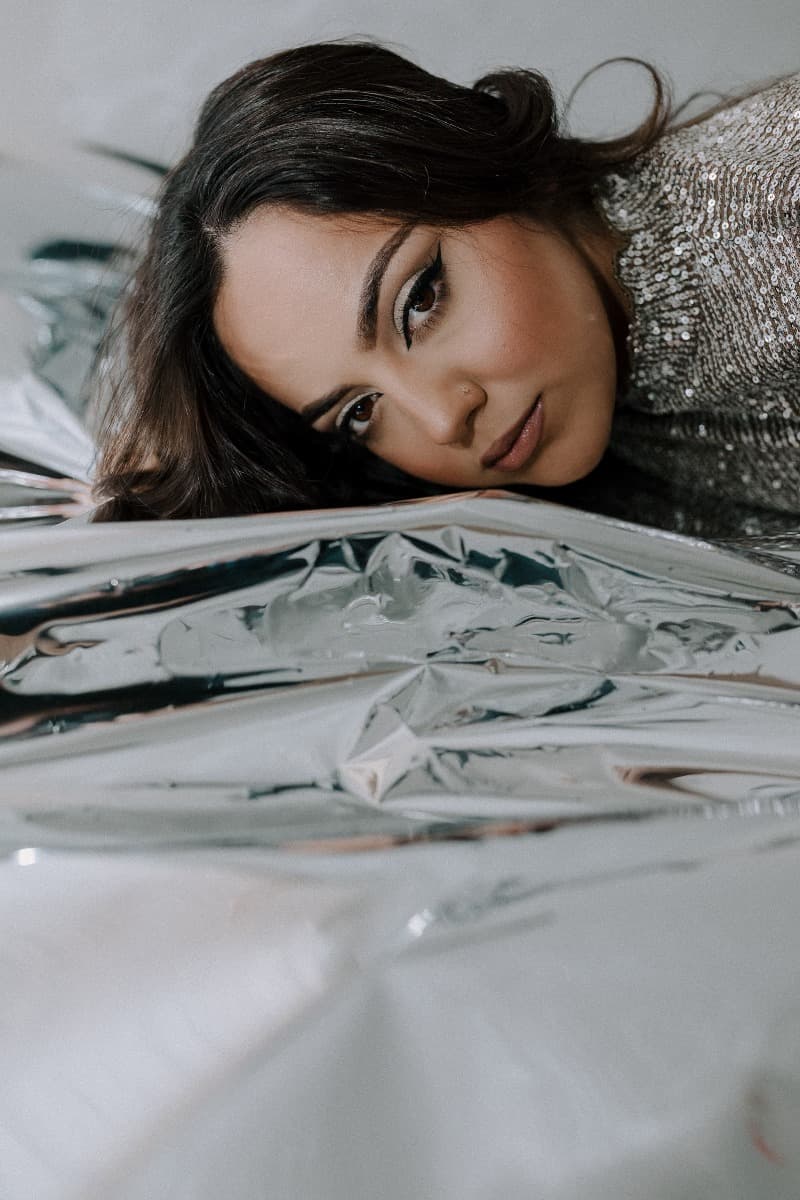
<point x="56" y="297"/>
<point x="462" y="661"/>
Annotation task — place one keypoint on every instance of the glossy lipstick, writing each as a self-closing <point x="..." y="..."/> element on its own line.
<point x="513" y="449"/>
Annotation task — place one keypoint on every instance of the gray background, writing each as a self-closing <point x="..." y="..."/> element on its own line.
<point x="132" y="72"/>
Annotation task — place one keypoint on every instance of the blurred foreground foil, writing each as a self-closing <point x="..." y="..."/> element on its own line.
<point x="65" y="254"/>
<point x="441" y="850"/>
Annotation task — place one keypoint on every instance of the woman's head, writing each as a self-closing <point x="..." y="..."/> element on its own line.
<point x="434" y="347"/>
<point x="304" y="167"/>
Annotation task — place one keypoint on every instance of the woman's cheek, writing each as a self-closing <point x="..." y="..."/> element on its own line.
<point x="484" y="338"/>
<point x="516" y="346"/>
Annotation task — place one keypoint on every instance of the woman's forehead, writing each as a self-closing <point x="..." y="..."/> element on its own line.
<point x="290" y="288"/>
<point x="287" y="241"/>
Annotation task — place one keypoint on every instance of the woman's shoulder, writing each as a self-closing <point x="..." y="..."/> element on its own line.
<point x="761" y="125"/>
<point x="743" y="157"/>
<point x="711" y="263"/>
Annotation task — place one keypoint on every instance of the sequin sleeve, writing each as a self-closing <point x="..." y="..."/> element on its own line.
<point x="712" y="267"/>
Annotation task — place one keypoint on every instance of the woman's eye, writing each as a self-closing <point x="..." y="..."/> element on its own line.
<point x="424" y="300"/>
<point x="356" y="416"/>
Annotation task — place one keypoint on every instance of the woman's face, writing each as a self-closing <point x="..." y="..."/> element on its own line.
<point x="474" y="357"/>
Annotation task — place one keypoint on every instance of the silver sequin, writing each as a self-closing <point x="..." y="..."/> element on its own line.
<point x="711" y="264"/>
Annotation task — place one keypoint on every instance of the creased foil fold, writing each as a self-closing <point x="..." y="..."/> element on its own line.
<point x="456" y="660"/>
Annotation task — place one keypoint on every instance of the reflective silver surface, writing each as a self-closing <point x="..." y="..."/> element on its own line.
<point x="444" y="849"/>
<point x="392" y="670"/>
<point x="65" y="253"/>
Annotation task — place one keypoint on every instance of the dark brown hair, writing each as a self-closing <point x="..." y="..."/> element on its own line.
<point x="332" y="128"/>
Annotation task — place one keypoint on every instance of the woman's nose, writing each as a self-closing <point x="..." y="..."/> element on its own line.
<point x="443" y="410"/>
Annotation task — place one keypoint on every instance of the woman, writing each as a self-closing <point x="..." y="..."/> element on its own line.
<point x="361" y="277"/>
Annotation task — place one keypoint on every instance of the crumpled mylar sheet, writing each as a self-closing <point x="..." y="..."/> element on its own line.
<point x="445" y="850"/>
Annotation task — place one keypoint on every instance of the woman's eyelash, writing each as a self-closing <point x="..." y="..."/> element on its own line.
<point x="345" y="417"/>
<point x="432" y="276"/>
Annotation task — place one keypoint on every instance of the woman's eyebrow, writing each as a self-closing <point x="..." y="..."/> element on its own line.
<point x="318" y="408"/>
<point x="370" y="292"/>
<point x="367" y="320"/>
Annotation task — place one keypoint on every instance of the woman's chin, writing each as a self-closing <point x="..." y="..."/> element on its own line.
<point x="558" y="470"/>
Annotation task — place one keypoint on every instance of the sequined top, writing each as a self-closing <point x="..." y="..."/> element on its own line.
<point x="711" y="263"/>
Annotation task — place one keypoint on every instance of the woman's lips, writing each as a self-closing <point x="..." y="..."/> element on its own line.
<point x="513" y="449"/>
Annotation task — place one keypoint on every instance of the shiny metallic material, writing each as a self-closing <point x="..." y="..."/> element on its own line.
<point x="64" y="258"/>
<point x="452" y="661"/>
<point x="443" y="849"/>
<point x="711" y="265"/>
